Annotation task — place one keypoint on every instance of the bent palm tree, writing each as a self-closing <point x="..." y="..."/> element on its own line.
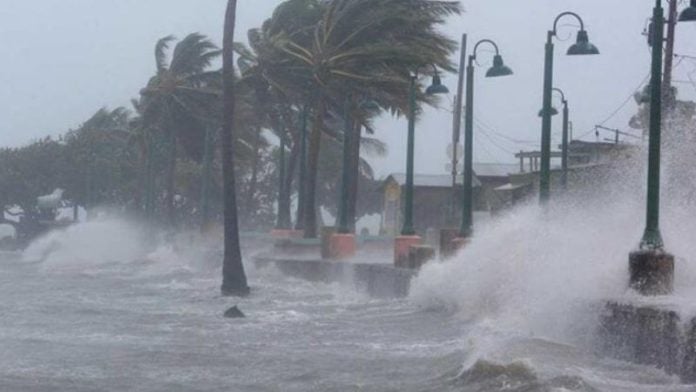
<point x="362" y="46"/>
<point x="180" y="95"/>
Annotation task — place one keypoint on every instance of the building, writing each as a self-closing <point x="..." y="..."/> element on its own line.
<point x="497" y="186"/>
<point x="435" y="203"/>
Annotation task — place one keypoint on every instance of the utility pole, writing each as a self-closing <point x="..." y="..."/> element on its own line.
<point x="667" y="98"/>
<point x="457" y="124"/>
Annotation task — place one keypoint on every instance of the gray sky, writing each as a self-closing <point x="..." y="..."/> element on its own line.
<point x="64" y="59"/>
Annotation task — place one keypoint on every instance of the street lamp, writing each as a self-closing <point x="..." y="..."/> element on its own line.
<point x="581" y="47"/>
<point x="435" y="88"/>
<point x="497" y="70"/>
<point x="651" y="267"/>
<point x="564" y="142"/>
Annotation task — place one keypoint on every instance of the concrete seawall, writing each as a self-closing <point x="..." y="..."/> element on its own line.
<point x="377" y="280"/>
<point x="650" y="334"/>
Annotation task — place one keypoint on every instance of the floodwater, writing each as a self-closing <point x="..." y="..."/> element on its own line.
<point x="112" y="317"/>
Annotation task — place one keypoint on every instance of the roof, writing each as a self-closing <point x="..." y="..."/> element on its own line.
<point x="430" y="180"/>
<point x="495" y="169"/>
<point x="512" y="187"/>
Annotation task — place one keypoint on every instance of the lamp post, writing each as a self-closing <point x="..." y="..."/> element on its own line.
<point x="408" y="233"/>
<point x="497" y="70"/>
<point x="435" y="88"/>
<point x="651" y="268"/>
<point x="581" y="47"/>
<point x="564" y="142"/>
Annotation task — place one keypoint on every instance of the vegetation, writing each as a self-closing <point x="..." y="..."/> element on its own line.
<point x="324" y="69"/>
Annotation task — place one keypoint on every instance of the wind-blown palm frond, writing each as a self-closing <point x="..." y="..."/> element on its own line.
<point x="374" y="147"/>
<point x="161" y="52"/>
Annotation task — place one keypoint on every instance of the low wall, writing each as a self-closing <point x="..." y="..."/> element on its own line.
<point x="650" y="334"/>
<point x="377" y="280"/>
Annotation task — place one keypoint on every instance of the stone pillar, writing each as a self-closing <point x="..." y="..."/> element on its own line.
<point x="326" y="233"/>
<point x="342" y="246"/>
<point x="402" y="245"/>
<point x="418" y="255"/>
<point x="651" y="272"/>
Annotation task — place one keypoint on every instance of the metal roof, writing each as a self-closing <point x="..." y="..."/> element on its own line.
<point x="495" y="169"/>
<point x="431" y="180"/>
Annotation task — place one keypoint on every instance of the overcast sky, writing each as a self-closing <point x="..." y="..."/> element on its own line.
<point x="64" y="59"/>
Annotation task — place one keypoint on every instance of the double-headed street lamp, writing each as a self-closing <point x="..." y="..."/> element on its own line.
<point x="497" y="70"/>
<point x="435" y="88"/>
<point x="581" y="47"/>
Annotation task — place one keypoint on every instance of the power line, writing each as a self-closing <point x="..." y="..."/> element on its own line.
<point x="617" y="110"/>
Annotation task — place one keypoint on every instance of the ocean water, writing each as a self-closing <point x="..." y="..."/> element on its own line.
<point x="92" y="309"/>
<point x="95" y="307"/>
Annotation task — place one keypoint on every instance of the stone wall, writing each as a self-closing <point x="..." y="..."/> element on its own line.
<point x="652" y="335"/>
<point x="377" y="280"/>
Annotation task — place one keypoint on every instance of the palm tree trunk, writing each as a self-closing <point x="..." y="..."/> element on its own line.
<point x="253" y="181"/>
<point x="171" y="173"/>
<point x="302" y="172"/>
<point x="285" y="203"/>
<point x="354" y="175"/>
<point x="234" y="281"/>
<point x="310" y="208"/>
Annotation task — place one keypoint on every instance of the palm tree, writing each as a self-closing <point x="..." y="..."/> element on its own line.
<point x="234" y="281"/>
<point x="357" y="47"/>
<point x="99" y="153"/>
<point x="180" y="97"/>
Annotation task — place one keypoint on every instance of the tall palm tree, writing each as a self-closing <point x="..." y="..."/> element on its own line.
<point x="357" y="47"/>
<point x="181" y="96"/>
<point x="234" y="281"/>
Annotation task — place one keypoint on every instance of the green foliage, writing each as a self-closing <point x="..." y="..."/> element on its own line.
<point x="309" y="53"/>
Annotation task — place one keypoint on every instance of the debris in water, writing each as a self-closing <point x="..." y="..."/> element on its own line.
<point x="234" y="312"/>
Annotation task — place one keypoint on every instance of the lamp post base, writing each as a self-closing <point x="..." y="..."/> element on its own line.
<point x="460" y="243"/>
<point x="447" y="246"/>
<point x="342" y="246"/>
<point x="419" y="255"/>
<point x="402" y="248"/>
<point x="651" y="272"/>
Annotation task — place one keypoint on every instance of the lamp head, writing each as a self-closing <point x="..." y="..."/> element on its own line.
<point x="582" y="46"/>
<point x="499" y="68"/>
<point x="689" y="13"/>
<point x="437" y="87"/>
<point x="553" y="112"/>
